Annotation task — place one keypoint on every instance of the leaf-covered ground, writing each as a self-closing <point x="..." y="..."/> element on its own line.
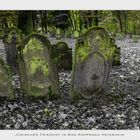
<point x="120" y="109"/>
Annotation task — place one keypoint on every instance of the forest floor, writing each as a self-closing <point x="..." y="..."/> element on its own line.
<point x="121" y="112"/>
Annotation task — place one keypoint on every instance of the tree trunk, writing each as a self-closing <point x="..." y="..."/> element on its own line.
<point x="25" y="21"/>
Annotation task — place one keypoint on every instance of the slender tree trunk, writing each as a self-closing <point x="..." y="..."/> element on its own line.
<point x="125" y="18"/>
<point x="120" y="20"/>
<point x="96" y="18"/>
<point x="33" y="19"/>
<point x="45" y="22"/>
<point x="25" y="21"/>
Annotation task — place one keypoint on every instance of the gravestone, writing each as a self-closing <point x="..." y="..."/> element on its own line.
<point x="117" y="53"/>
<point x="92" y="63"/>
<point x="6" y="89"/>
<point x="38" y="73"/>
<point x="64" y="56"/>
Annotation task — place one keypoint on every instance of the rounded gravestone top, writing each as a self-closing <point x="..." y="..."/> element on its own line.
<point x="62" y="46"/>
<point x="95" y="35"/>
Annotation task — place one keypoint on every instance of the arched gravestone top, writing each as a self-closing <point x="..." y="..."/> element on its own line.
<point x="96" y="34"/>
<point x="37" y="69"/>
<point x="98" y="39"/>
<point x="92" y="63"/>
<point x="6" y="89"/>
<point x="62" y="46"/>
<point x="95" y="39"/>
<point x="41" y="38"/>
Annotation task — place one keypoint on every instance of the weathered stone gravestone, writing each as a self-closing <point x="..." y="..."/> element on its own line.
<point x="38" y="73"/>
<point x="6" y="89"/>
<point x="92" y="63"/>
<point x="64" y="56"/>
<point x="117" y="53"/>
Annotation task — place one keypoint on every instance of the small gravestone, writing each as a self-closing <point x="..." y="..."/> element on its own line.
<point x="92" y="63"/>
<point x="117" y="53"/>
<point x="6" y="89"/>
<point x="64" y="56"/>
<point x="38" y="73"/>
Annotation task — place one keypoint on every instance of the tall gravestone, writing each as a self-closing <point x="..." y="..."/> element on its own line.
<point x="64" y="56"/>
<point x="6" y="89"/>
<point x="92" y="63"/>
<point x="38" y="73"/>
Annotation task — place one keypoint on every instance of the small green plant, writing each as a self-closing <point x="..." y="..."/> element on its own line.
<point x="48" y="112"/>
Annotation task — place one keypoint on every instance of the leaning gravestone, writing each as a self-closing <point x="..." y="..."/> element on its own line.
<point x="38" y="73"/>
<point x="64" y="56"/>
<point x="6" y="89"/>
<point x="92" y="63"/>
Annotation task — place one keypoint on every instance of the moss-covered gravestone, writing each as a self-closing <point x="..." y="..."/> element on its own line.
<point x="92" y="63"/>
<point x="38" y="73"/>
<point x="64" y="56"/>
<point x="117" y="53"/>
<point x="6" y="89"/>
